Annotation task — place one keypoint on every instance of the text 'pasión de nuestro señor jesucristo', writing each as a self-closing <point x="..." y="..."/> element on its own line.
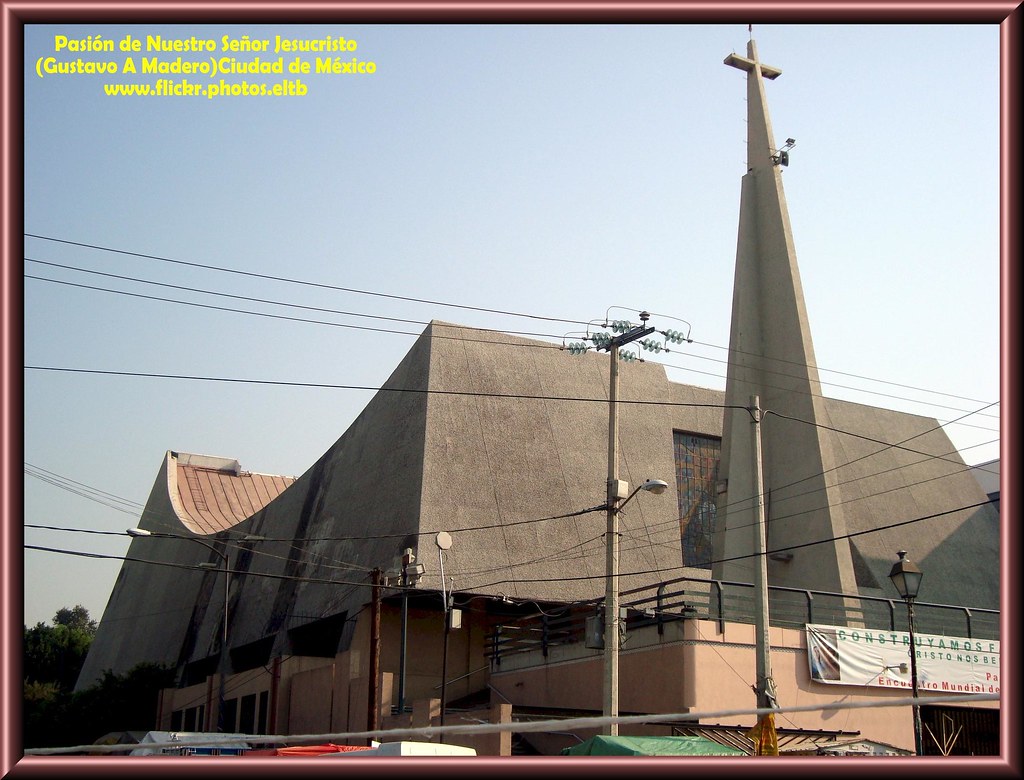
<point x="225" y="64"/>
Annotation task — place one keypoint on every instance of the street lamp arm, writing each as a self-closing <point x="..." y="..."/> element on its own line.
<point x="137" y="532"/>
<point x="208" y="545"/>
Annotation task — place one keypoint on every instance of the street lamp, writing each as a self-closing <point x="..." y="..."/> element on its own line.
<point x="616" y="488"/>
<point x="143" y="533"/>
<point x="907" y="579"/>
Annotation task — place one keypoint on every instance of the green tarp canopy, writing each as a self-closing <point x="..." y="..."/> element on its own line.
<point x="651" y="746"/>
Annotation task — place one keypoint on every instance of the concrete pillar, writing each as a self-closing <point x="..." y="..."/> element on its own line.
<point x="499" y="744"/>
<point x="425" y="713"/>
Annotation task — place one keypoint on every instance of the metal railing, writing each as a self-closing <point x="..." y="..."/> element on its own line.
<point x="723" y="601"/>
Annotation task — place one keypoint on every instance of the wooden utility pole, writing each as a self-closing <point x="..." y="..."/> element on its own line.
<point x="763" y="665"/>
<point x="373" y="699"/>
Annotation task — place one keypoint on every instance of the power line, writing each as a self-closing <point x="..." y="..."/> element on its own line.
<point x="453" y="338"/>
<point x="250" y="299"/>
<point x="887" y="446"/>
<point x="453" y="305"/>
<point x="302" y="282"/>
<point x="842" y="373"/>
<point x="368" y="537"/>
<point x="709" y="563"/>
<point x="737" y="557"/>
<point x="728" y="363"/>
<point x="502" y="582"/>
<point x="73" y="530"/>
<point x="248" y="573"/>
<point x="425" y="391"/>
<point x="305" y="320"/>
<point x="100" y="497"/>
<point x="442" y="336"/>
<point x="224" y="308"/>
<point x="738" y="503"/>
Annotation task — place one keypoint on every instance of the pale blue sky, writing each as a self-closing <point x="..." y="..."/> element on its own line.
<point x="548" y="170"/>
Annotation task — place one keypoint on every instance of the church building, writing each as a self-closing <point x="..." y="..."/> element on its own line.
<point x="445" y="561"/>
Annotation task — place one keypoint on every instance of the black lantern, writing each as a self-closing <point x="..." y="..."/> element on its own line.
<point x="907" y="579"/>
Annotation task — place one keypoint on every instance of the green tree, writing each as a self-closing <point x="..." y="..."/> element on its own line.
<point x="56" y="653"/>
<point x="52" y="658"/>
<point x="54" y="714"/>
<point x="75" y="618"/>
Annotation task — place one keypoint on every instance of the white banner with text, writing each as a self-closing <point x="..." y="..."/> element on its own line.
<point x="840" y="655"/>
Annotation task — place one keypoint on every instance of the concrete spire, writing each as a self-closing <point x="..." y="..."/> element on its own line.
<point x="771" y="356"/>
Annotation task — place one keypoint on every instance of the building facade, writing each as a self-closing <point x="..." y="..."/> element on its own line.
<point x="477" y="477"/>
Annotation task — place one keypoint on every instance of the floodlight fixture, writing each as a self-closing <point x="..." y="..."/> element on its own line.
<point x="781" y="157"/>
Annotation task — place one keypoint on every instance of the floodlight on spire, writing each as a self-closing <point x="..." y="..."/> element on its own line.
<point x="781" y="157"/>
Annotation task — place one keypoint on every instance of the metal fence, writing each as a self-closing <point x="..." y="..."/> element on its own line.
<point x="722" y="601"/>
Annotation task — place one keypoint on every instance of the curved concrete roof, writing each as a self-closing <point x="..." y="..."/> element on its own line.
<point x="211" y="494"/>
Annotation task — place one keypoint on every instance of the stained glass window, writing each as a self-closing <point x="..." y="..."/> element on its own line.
<point x="697" y="459"/>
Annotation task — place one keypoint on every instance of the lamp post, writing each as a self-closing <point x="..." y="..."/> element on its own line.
<point x="611" y="598"/>
<point x="907" y="579"/>
<point x="141" y="532"/>
<point x="410" y="571"/>
<point x="443" y="540"/>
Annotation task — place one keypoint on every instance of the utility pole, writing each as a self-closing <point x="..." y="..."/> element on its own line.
<point x="618" y="490"/>
<point x="407" y="558"/>
<point x="611" y="597"/>
<point x="765" y="685"/>
<point x="223" y="661"/>
<point x="615" y="493"/>
<point x="373" y="704"/>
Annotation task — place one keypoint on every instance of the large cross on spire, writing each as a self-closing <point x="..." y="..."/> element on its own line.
<point x="750" y="62"/>
<point x="771" y="356"/>
<point x="759" y="126"/>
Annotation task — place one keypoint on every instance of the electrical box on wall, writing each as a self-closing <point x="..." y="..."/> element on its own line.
<point x="594" y="638"/>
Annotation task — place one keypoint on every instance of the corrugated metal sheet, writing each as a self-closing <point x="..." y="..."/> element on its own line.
<point x="215" y="499"/>
<point x="790" y="740"/>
